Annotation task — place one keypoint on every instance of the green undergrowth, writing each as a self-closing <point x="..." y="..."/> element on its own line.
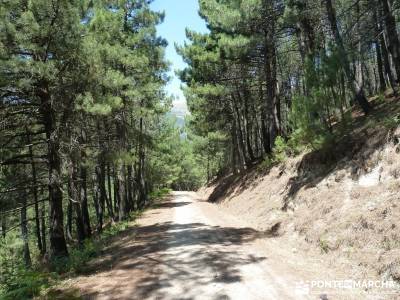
<point x="17" y="282"/>
<point x="312" y="138"/>
<point x="282" y="150"/>
<point x="158" y="194"/>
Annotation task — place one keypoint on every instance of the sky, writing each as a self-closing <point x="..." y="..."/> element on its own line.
<point x="179" y="14"/>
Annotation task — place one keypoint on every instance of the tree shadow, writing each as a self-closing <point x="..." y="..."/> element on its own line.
<point x="224" y="187"/>
<point x="232" y="183"/>
<point x="169" y="204"/>
<point x="350" y="152"/>
<point x="162" y="254"/>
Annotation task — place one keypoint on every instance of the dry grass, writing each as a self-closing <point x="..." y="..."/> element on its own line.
<point x="345" y="207"/>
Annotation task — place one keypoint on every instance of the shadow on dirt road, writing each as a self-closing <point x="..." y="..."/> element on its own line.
<point x="175" y="252"/>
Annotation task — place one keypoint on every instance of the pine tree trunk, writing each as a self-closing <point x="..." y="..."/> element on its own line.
<point x="248" y="134"/>
<point x="24" y="233"/>
<point x="379" y="59"/>
<point x="130" y="188"/>
<point x="359" y="62"/>
<point x="386" y="63"/>
<point x="80" y="229"/>
<point x="247" y="123"/>
<point x="208" y="167"/>
<point x="264" y="128"/>
<point x="393" y="39"/>
<point x="126" y="178"/>
<point x="234" y="150"/>
<point x="101" y="169"/>
<point x="385" y="55"/>
<point x="43" y="222"/>
<point x="3" y="225"/>
<point x="35" y="196"/>
<point x="58" y="245"/>
<point x="240" y="139"/>
<point x="257" y="136"/>
<point x="84" y="202"/>
<point x="116" y="191"/>
<point x="358" y="91"/>
<point x="100" y="176"/>
<point x="265" y="133"/>
<point x="74" y="195"/>
<point x="110" y="198"/>
<point x="121" y="193"/>
<point x="270" y="78"/>
<point x="69" y="220"/>
<point x="96" y="201"/>
<point x="305" y="37"/>
<point x="141" y="181"/>
<point x="141" y="169"/>
<point x="382" y="81"/>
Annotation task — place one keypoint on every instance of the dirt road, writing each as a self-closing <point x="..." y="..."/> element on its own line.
<point x="188" y="249"/>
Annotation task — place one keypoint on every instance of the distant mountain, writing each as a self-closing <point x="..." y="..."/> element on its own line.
<point x="180" y="111"/>
<point x="180" y="121"/>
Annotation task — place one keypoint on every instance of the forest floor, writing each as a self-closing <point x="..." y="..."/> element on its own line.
<point x="187" y="248"/>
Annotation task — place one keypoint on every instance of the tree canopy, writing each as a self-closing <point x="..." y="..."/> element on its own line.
<point x="287" y="69"/>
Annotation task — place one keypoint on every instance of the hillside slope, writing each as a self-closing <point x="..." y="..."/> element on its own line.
<point x="343" y="207"/>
